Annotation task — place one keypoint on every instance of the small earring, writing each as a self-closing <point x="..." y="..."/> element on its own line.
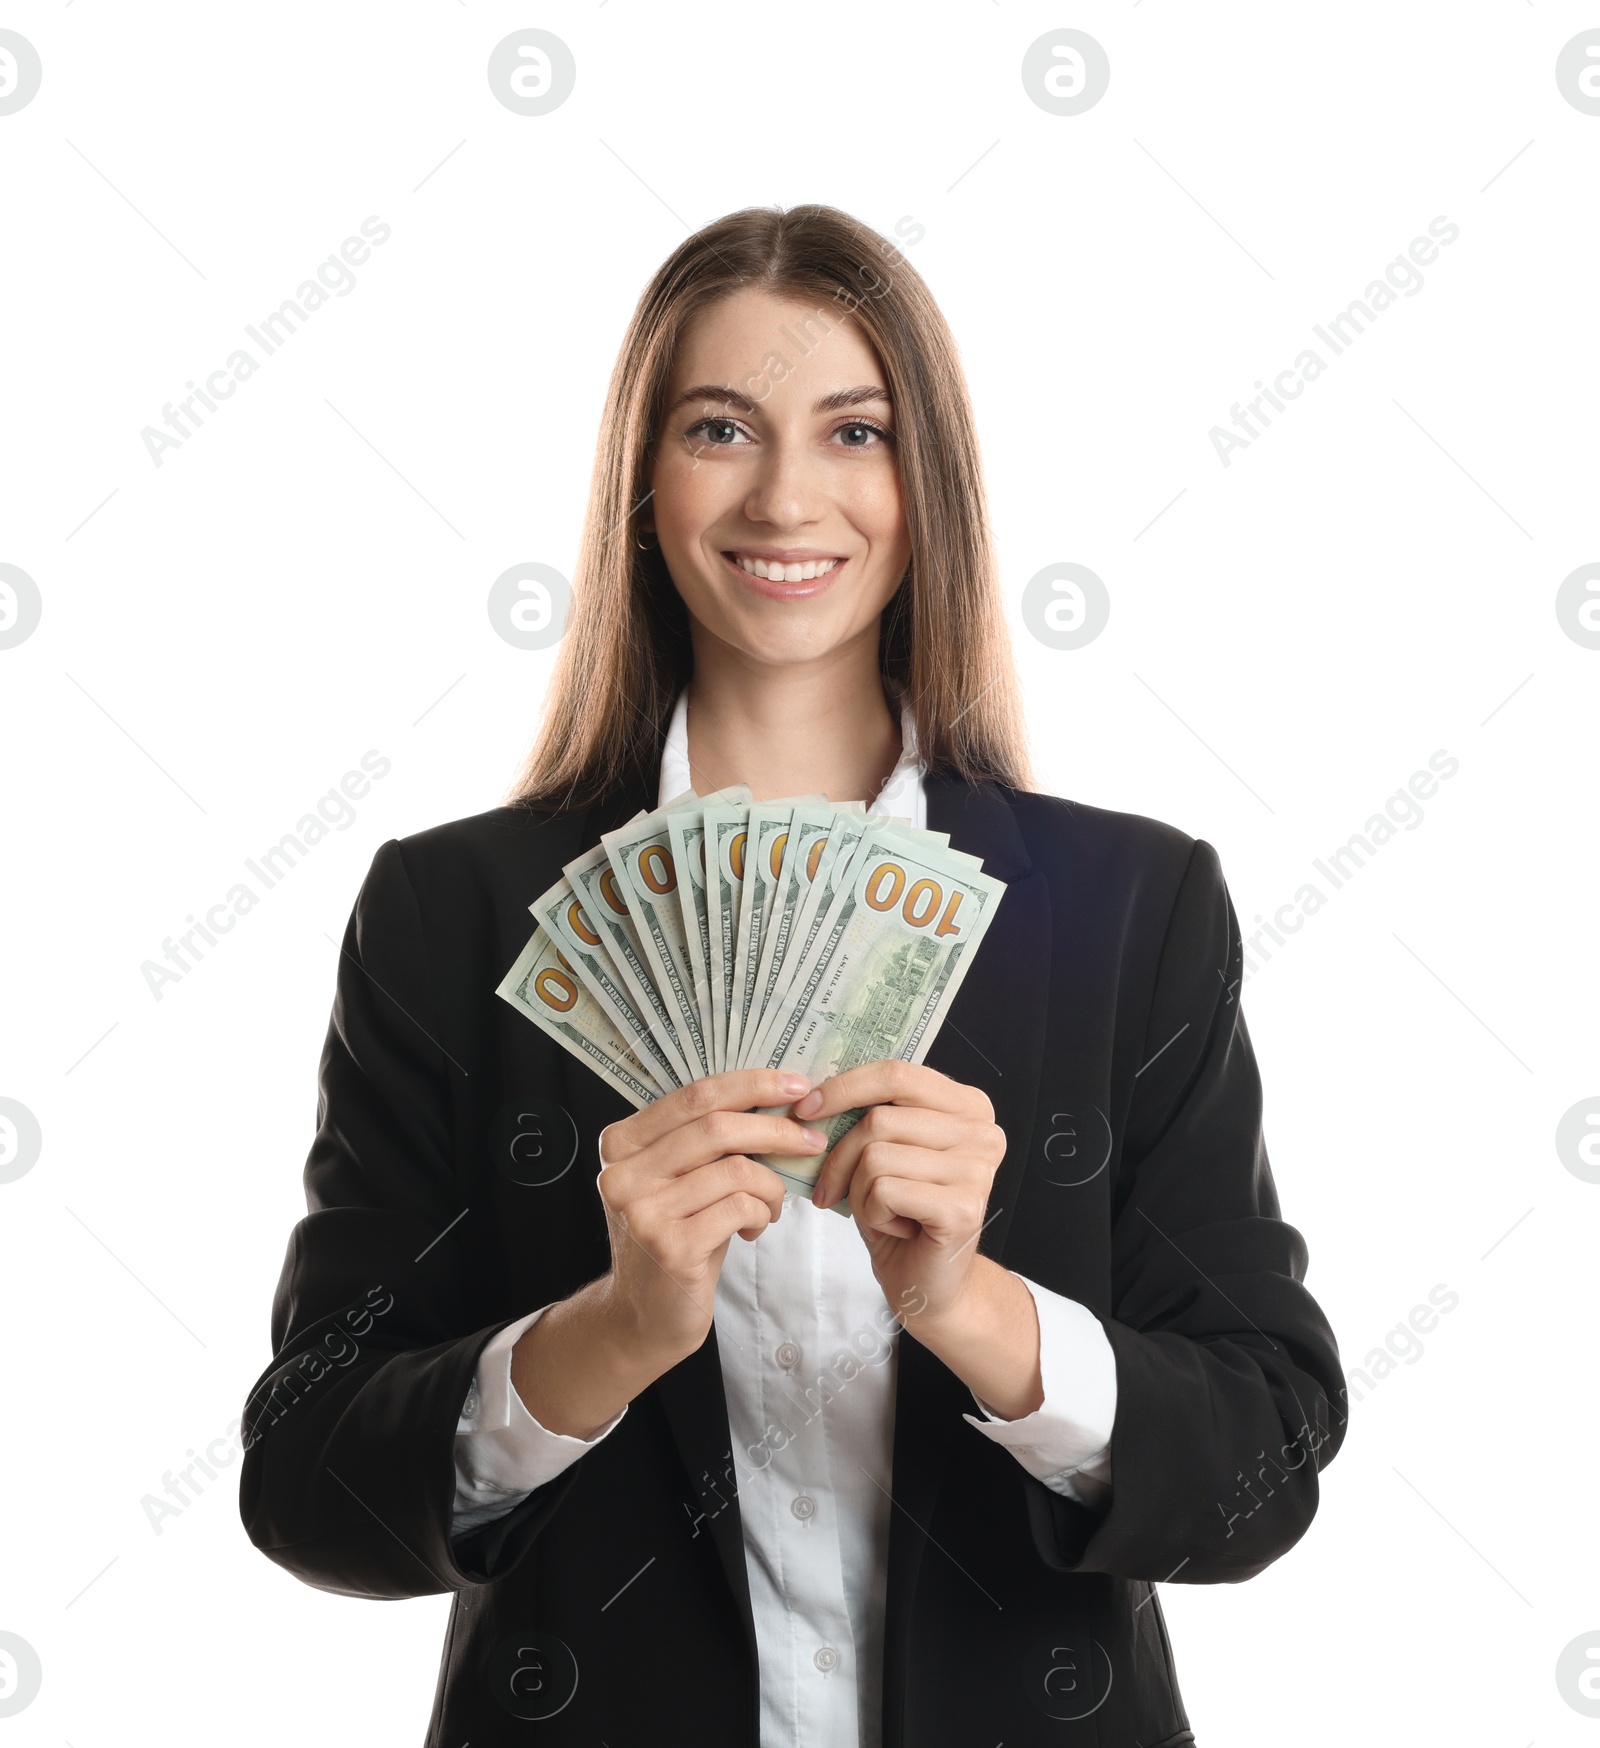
<point x="646" y="541"/>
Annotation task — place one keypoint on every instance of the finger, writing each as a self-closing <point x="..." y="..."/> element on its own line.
<point x="714" y="1226"/>
<point x="719" y="1133"/>
<point x="895" y="1228"/>
<point x="911" y="1124"/>
<point x="703" y="1188"/>
<point x="892" y="1083"/>
<point x="941" y="1210"/>
<point x="741" y="1089"/>
<point x="895" y="1159"/>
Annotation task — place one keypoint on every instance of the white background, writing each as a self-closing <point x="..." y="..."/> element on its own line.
<point x="1291" y="637"/>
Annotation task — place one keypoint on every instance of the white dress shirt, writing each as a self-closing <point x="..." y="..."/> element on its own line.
<point x="809" y="1350"/>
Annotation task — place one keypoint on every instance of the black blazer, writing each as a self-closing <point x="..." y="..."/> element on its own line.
<point x="451" y="1187"/>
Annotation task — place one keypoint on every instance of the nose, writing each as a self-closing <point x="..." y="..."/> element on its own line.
<point x="788" y="489"/>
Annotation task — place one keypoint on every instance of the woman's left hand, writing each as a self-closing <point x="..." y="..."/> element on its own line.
<point x="918" y="1168"/>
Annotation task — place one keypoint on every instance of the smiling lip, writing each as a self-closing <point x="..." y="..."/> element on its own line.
<point x="780" y="591"/>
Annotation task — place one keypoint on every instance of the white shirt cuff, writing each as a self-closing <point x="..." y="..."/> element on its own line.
<point x="1066" y="1441"/>
<point x="501" y="1452"/>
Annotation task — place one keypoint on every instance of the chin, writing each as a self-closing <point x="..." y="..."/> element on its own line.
<point x="796" y="645"/>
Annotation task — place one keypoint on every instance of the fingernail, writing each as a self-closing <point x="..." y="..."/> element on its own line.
<point x="815" y="1139"/>
<point x="794" y="1084"/>
<point x="809" y="1105"/>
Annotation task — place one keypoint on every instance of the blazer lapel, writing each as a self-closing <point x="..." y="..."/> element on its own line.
<point x="691" y="1395"/>
<point x="993" y="1038"/>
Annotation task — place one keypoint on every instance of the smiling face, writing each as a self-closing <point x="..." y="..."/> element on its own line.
<point x="776" y="489"/>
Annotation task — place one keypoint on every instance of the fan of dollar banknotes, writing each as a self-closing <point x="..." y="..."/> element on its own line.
<point x="717" y="933"/>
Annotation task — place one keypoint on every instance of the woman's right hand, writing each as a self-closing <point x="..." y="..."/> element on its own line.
<point x="677" y="1181"/>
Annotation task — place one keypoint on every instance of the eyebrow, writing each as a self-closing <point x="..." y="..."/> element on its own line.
<point x="834" y="403"/>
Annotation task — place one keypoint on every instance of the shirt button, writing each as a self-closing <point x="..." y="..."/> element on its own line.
<point x="471" y="1405"/>
<point x="803" y="1506"/>
<point x="826" y="1659"/>
<point x="787" y="1355"/>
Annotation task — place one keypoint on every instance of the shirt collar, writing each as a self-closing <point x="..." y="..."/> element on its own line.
<point x="902" y="792"/>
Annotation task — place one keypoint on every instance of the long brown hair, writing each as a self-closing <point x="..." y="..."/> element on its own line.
<point x="943" y="644"/>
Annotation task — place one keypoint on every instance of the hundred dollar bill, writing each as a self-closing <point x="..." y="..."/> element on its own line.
<point x="641" y="856"/>
<point x="890" y="955"/>
<point x="710" y="843"/>
<point x="594" y="884"/>
<point x="561" y="913"/>
<point x="686" y="839"/>
<point x="726" y="830"/>
<point x="544" y="986"/>
<point x="806" y="846"/>
<point x="832" y="872"/>
<point x="845" y="834"/>
<point x="765" y="850"/>
<point x="686" y="834"/>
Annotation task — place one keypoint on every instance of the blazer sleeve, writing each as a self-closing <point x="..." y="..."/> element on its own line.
<point x="348" y="1479"/>
<point x="1229" y="1387"/>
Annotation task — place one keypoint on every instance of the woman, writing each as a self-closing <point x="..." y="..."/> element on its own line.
<point x="908" y="1479"/>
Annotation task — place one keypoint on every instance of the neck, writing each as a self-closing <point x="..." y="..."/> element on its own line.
<point x="821" y="727"/>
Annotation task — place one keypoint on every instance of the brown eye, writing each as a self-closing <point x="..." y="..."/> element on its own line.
<point x="709" y="426"/>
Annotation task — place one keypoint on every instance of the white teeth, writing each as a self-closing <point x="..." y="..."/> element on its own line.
<point x="786" y="573"/>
